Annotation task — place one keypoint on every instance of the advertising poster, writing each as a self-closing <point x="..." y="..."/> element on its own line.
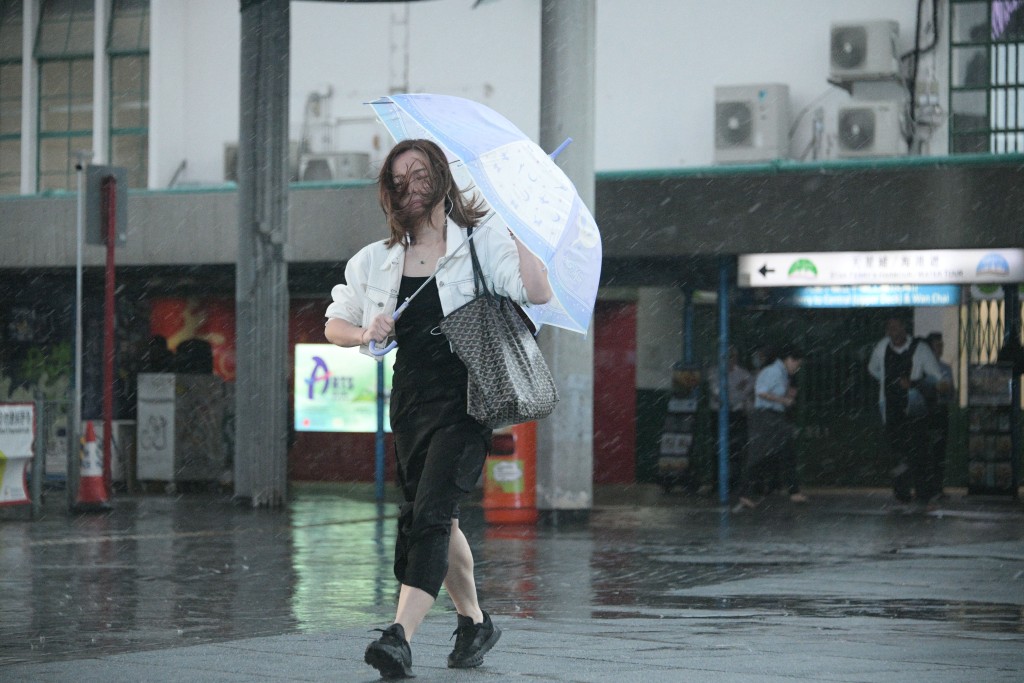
<point x="210" y="319"/>
<point x="336" y="389"/>
<point x="17" y="430"/>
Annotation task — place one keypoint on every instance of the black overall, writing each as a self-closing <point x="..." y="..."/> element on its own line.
<point x="439" y="447"/>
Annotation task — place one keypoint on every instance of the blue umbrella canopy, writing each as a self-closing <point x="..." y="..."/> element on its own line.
<point x="523" y="186"/>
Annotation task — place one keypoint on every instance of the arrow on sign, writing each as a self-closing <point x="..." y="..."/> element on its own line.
<point x="764" y="270"/>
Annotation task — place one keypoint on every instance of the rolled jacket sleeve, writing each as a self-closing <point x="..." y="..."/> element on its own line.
<point x="349" y="299"/>
<point x="502" y="264"/>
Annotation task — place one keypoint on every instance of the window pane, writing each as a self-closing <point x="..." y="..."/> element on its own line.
<point x="10" y="81"/>
<point x="53" y="78"/>
<point x="1007" y="20"/>
<point x="131" y="152"/>
<point x="10" y="167"/>
<point x="10" y="29"/>
<point x="65" y="28"/>
<point x="57" y="162"/>
<point x="129" y="26"/>
<point x="80" y="100"/>
<point x="986" y="101"/>
<point x="53" y="155"/>
<point x="970" y="22"/>
<point x="130" y="92"/>
<point x="10" y="117"/>
<point x="1007" y="143"/>
<point x="126" y="74"/>
<point x="52" y="39"/>
<point x="81" y="77"/>
<point x="969" y="104"/>
<point x="54" y="114"/>
<point x="971" y="67"/>
<point x="970" y="144"/>
<point x="10" y="157"/>
<point x="10" y="98"/>
<point x="65" y="99"/>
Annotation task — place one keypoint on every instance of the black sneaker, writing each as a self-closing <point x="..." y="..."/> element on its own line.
<point x="472" y="641"/>
<point x="390" y="654"/>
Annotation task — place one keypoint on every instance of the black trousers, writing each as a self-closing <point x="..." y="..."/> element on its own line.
<point x="771" y="454"/>
<point x="917" y="472"/>
<point x="440" y="451"/>
<point x="938" y="437"/>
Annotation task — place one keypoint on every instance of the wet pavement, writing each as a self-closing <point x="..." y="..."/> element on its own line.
<point x="654" y="587"/>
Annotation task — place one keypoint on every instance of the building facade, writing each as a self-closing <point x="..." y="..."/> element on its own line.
<point x="153" y="86"/>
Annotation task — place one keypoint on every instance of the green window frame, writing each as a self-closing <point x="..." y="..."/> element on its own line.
<point x="128" y="49"/>
<point x="10" y="96"/>
<point x="64" y="50"/>
<point x="986" y="76"/>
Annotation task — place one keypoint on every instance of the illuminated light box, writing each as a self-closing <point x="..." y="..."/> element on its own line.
<point x="910" y="267"/>
<point x="336" y="389"/>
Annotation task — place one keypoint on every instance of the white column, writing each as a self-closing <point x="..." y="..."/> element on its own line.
<point x="100" y="84"/>
<point x="29" y="97"/>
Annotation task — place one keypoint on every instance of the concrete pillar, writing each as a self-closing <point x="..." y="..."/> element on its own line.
<point x="29" y="96"/>
<point x="100" y="84"/>
<point x="261" y="277"/>
<point x="565" y="441"/>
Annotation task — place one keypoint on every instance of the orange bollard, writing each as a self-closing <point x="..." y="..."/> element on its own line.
<point x="92" y="488"/>
<point x="510" y="476"/>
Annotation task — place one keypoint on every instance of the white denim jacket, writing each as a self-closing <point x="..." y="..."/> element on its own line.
<point x="373" y="275"/>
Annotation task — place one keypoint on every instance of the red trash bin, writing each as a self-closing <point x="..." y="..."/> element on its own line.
<point x="510" y="476"/>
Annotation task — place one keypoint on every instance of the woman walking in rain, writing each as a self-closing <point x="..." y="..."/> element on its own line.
<point x="439" y="447"/>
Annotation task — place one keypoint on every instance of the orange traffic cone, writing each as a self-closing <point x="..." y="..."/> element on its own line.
<point x="92" y="491"/>
<point x="510" y="477"/>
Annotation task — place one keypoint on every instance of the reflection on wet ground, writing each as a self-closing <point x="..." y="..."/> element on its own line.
<point x="164" y="571"/>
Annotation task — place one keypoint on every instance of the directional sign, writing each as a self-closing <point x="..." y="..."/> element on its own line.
<point x="924" y="267"/>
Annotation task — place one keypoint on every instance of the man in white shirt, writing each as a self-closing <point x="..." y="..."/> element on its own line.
<point x="903" y="367"/>
<point x="771" y="451"/>
<point x="938" y="417"/>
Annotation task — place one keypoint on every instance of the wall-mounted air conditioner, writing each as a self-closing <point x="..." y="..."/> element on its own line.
<point x="334" y="166"/>
<point x="872" y="129"/>
<point x="864" y="51"/>
<point x="751" y="123"/>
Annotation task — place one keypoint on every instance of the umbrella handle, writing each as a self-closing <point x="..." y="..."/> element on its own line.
<point x="382" y="352"/>
<point x="394" y="344"/>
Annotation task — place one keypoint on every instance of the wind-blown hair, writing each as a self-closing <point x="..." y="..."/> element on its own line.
<point x="465" y="211"/>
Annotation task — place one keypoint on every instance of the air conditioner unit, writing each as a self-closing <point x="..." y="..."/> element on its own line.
<point x="751" y="123"/>
<point x="872" y="129"/>
<point x="864" y="51"/>
<point x="334" y="166"/>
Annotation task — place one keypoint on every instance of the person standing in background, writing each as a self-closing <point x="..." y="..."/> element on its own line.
<point x="938" y="415"/>
<point x="901" y="364"/>
<point x="740" y="385"/>
<point x="771" y="451"/>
